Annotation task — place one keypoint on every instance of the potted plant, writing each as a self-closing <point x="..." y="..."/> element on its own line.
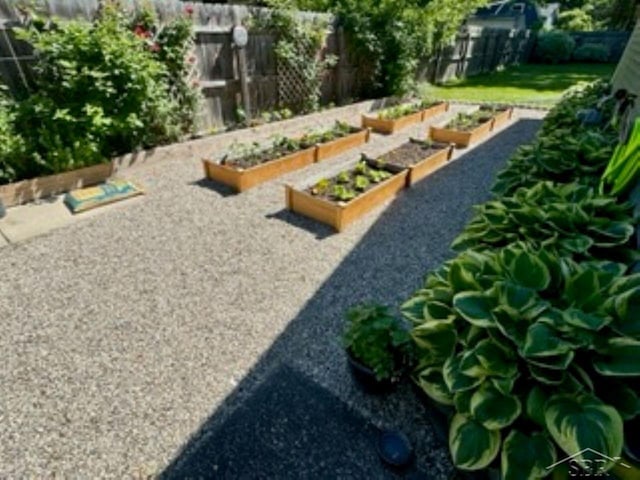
<point x="377" y="345"/>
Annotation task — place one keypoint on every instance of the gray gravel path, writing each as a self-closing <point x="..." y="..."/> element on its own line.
<point x="128" y="335"/>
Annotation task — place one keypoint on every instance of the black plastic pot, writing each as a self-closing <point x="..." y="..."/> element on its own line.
<point x="366" y="378"/>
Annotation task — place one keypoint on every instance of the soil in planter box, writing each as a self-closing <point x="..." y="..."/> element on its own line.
<point x="246" y="155"/>
<point x="409" y="154"/>
<point x="465" y="122"/>
<point x="399" y="111"/>
<point x="349" y="184"/>
<point x="339" y="130"/>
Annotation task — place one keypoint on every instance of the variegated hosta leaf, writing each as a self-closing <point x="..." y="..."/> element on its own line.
<point x="454" y="378"/>
<point x="413" y="309"/>
<point x="494" y="409"/>
<point x="495" y="360"/>
<point x="461" y="277"/>
<point x="544" y="341"/>
<point x="511" y="324"/>
<point x="529" y="271"/>
<point x="627" y="307"/>
<point x="582" y="422"/>
<point x="475" y="308"/>
<point x="555" y="362"/>
<point x="472" y="446"/>
<point x="435" y="341"/>
<point x="547" y="376"/>
<point x="620" y="358"/>
<point x="526" y="457"/>
<point x="536" y="401"/>
<point x="462" y="402"/>
<point x="430" y="380"/>
<point x="589" y="321"/>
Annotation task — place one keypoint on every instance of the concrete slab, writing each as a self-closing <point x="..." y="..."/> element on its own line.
<point x="32" y="220"/>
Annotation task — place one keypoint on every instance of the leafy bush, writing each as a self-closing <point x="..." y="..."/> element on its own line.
<point x="565" y="150"/>
<point x="591" y="52"/>
<point x="12" y="148"/>
<point x="575" y="19"/>
<point x="531" y="352"/>
<point x="377" y="339"/>
<point x="554" y="47"/>
<point x="568" y="219"/>
<point x="101" y="89"/>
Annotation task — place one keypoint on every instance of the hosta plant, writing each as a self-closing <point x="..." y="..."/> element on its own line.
<point x="561" y="156"/>
<point x="568" y="219"/>
<point x="532" y="352"/>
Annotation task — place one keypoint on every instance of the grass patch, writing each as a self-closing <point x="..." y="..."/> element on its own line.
<point x="535" y="84"/>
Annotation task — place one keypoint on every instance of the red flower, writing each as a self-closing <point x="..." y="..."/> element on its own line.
<point x="188" y="10"/>
<point x="141" y="32"/>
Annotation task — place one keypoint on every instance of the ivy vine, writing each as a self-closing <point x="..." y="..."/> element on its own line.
<point x="298" y="48"/>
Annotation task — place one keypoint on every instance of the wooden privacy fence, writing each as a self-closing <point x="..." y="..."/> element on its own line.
<point x="475" y="50"/>
<point x="478" y="50"/>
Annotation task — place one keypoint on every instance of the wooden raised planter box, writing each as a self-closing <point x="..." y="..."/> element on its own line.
<point x="25" y="191"/>
<point x="242" y="179"/>
<point x="340" y="214"/>
<point x="435" y="110"/>
<point x="459" y="137"/>
<point x="502" y="118"/>
<point x="422" y="168"/>
<point x="389" y="126"/>
<point x="339" y="145"/>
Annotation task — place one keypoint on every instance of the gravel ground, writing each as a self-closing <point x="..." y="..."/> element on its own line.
<point x="127" y="336"/>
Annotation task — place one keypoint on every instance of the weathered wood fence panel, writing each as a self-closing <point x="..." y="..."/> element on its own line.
<point x="478" y="50"/>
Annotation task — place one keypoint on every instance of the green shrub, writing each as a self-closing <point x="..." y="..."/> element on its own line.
<point x="12" y="148"/>
<point x="576" y="19"/>
<point x="377" y="339"/>
<point x="554" y="47"/>
<point x="101" y="89"/>
<point x="591" y="52"/>
<point x="532" y="352"/>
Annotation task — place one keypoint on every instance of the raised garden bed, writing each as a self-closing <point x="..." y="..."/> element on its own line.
<point x="42" y="187"/>
<point x="248" y="165"/>
<point x="420" y="158"/>
<point x="331" y="148"/>
<point x="501" y="117"/>
<point x="342" y="199"/>
<point x="396" y="118"/>
<point x="465" y="129"/>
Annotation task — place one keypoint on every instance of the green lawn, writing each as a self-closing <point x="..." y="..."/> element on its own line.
<point x="524" y="84"/>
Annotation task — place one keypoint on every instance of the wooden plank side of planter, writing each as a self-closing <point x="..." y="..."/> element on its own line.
<point x="460" y="138"/>
<point x="340" y="215"/>
<point x="429" y="165"/>
<point x="502" y="118"/>
<point x="319" y="209"/>
<point x="42" y="187"/>
<point x="435" y="110"/>
<point x="336" y="147"/>
<point x="369" y="200"/>
<point x="391" y="126"/>
<point x="244" y="179"/>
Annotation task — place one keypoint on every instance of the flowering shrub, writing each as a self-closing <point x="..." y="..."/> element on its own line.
<point x="101" y="89"/>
